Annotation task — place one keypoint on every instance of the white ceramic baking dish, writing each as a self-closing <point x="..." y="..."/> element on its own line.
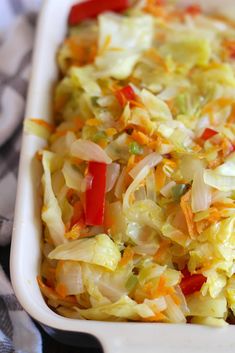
<point x="25" y="251"/>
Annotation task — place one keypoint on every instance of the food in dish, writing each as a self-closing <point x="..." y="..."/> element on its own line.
<point x="138" y="177"/>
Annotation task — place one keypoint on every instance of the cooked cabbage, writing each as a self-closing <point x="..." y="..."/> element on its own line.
<point x="51" y="212"/>
<point x="139" y="171"/>
<point x="130" y="36"/>
<point x="99" y="250"/>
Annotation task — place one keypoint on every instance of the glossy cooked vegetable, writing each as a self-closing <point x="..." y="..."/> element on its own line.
<point x="139" y="173"/>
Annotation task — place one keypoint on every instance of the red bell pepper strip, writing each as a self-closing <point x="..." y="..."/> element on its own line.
<point x="208" y="133"/>
<point x="125" y="94"/>
<point x="192" y="283"/>
<point x="95" y="194"/>
<point x="93" y="8"/>
<point x="193" y="10"/>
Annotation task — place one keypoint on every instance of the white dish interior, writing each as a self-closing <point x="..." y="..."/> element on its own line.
<point x="26" y="253"/>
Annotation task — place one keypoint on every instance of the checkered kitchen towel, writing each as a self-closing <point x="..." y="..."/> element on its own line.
<point x="17" y="331"/>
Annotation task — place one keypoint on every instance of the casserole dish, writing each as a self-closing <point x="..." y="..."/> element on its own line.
<point x="114" y="337"/>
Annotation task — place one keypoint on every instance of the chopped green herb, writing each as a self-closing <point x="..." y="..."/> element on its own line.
<point x="135" y="148"/>
<point x="178" y="191"/>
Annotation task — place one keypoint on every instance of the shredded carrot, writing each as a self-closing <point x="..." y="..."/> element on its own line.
<point x="156" y="318"/>
<point x="82" y="51"/>
<point x="136" y="104"/>
<point x="155" y="57"/>
<point x="79" y="123"/>
<point x="215" y="163"/>
<point x="38" y="155"/>
<point x="214" y="215"/>
<point x="160" y="289"/>
<point x="102" y="142"/>
<point x="230" y="46"/>
<point x="155" y="8"/>
<point x="231" y="118"/>
<point x="58" y="134"/>
<point x="93" y="122"/>
<point x="127" y="256"/>
<point x="111" y="132"/>
<point x="161" y="250"/>
<point x="221" y="205"/>
<point x="40" y="122"/>
<point x="78" y="213"/>
<point x="185" y="205"/>
<point x="77" y="50"/>
<point x="75" y="231"/>
<point x="154" y="144"/>
<point x="220" y="103"/>
<point x="62" y="290"/>
<point x="160" y="177"/>
<point x="140" y="137"/>
<point x="50" y="293"/>
<point x="169" y="162"/>
<point x="76" y="161"/>
<point x="130" y="163"/>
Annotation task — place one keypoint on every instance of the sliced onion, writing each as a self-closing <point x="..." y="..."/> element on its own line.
<point x="201" y="193"/>
<point x="151" y="186"/>
<point x="89" y="151"/>
<point x="173" y="311"/>
<point x="134" y="185"/>
<point x="120" y="186"/>
<point x="140" y="193"/>
<point x="166" y="191"/>
<point x="150" y="161"/>
<point x="113" y="171"/>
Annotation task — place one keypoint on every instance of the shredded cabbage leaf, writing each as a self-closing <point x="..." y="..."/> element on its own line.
<point x="100" y="250"/>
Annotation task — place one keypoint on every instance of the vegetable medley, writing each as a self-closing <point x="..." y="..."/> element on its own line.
<point x="139" y="176"/>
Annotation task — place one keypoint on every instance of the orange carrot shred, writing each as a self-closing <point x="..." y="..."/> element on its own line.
<point x="186" y="208"/>
<point x="62" y="290"/>
<point x="41" y="122"/>
<point x="160" y="177"/>
<point x="140" y="137"/>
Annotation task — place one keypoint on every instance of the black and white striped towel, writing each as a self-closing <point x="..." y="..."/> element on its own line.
<point x="17" y="331"/>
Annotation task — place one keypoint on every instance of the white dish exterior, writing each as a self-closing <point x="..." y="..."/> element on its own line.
<point x="26" y="252"/>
